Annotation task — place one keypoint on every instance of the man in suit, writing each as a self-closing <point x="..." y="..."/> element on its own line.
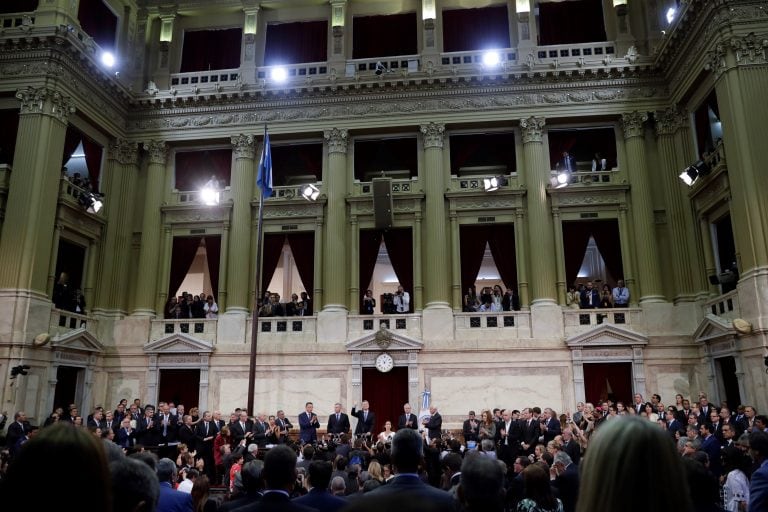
<point x="407" y="453"/>
<point x="639" y="404"/>
<point x="146" y="431"/>
<point x="407" y="419"/>
<point x="126" y="435"/>
<point x="241" y="429"/>
<point x="704" y="409"/>
<point x="566" y="480"/>
<point x="284" y="426"/>
<point x="338" y="422"/>
<point x="17" y="431"/>
<point x="308" y="424"/>
<point x="170" y="500"/>
<point x="217" y="420"/>
<point x="570" y="445"/>
<point x="758" y="487"/>
<point x="550" y="425"/>
<point x="166" y="424"/>
<point x="205" y="433"/>
<point x="711" y="446"/>
<point x="260" y="428"/>
<point x="366" y="419"/>
<point x="470" y="428"/>
<point x="318" y="497"/>
<point x="672" y="424"/>
<point x="531" y="432"/>
<point x="433" y="424"/>
<point x="187" y="433"/>
<point x="280" y="476"/>
<point x="511" y="433"/>
<point x="590" y="297"/>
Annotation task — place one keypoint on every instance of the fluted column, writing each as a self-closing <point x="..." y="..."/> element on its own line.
<point x="418" y="282"/>
<point x="667" y="123"/>
<point x="707" y="251"/>
<point x="435" y="254"/>
<point x="625" y="234"/>
<point x="166" y="251"/>
<point x="458" y="293"/>
<point x="649" y="277"/>
<point x="221" y="293"/>
<point x="30" y="213"/>
<point x="355" y="285"/>
<point x="149" y="254"/>
<point x="336" y="246"/>
<point x="316" y="295"/>
<point x="120" y="187"/>
<point x="540" y="230"/>
<point x="560" y="256"/>
<point x="521" y="254"/>
<point x="52" y="277"/>
<point x="239" y="250"/>
<point x="92" y="256"/>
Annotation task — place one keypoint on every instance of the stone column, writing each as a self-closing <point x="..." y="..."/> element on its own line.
<point x="316" y="295"/>
<point x="149" y="254"/>
<point x="30" y="212"/>
<point x="250" y="33"/>
<point x="54" y="13"/>
<point x="457" y="292"/>
<point x="92" y="256"/>
<point x="166" y="251"/>
<point x="337" y="56"/>
<point x="626" y="254"/>
<point x="355" y="285"/>
<point x="239" y="250"/>
<point x="707" y="251"/>
<point x="562" y="287"/>
<point x="667" y="123"/>
<point x="649" y="277"/>
<point x="221" y="293"/>
<point x="418" y="282"/>
<point x="52" y="277"/>
<point x="521" y="255"/>
<point x="120" y="187"/>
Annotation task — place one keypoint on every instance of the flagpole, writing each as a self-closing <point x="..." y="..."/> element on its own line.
<point x="255" y="323"/>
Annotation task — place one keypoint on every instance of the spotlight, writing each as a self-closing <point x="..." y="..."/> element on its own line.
<point x="108" y="59"/>
<point x="310" y="192"/>
<point x="493" y="184"/>
<point x="694" y="172"/>
<point x="91" y="201"/>
<point x="209" y="196"/>
<point x="563" y="179"/>
<point x="381" y="68"/>
<point x="671" y="15"/>
<point x="279" y="74"/>
<point x="96" y="205"/>
<point x="491" y="59"/>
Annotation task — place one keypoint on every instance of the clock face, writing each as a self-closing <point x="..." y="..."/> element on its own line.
<point x="384" y="362"/>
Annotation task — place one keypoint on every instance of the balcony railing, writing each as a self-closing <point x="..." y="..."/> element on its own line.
<point x="494" y="326"/>
<point x="201" y="328"/>
<point x="408" y="324"/>
<point x="477" y="58"/>
<point x="213" y="79"/>
<point x="284" y="329"/>
<point x="5" y="177"/>
<point x="725" y="306"/>
<point x="475" y="183"/>
<point x="75" y="195"/>
<point x="193" y="196"/>
<point x="575" y="53"/>
<point x="65" y="321"/>
<point x="579" y="320"/>
<point x="589" y="177"/>
<point x="293" y="72"/>
<point x="17" y="19"/>
<point x="399" y="187"/>
<point x="398" y="65"/>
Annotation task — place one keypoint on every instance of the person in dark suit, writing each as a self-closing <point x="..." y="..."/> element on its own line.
<point x="260" y="430"/>
<point x="407" y="419"/>
<point x="318" y="497"/>
<point x="308" y="424"/>
<point x="145" y="427"/>
<point x="338" y="422"/>
<point x="241" y="429"/>
<point x="170" y="500"/>
<point x="570" y="445"/>
<point x="205" y="433"/>
<point x="187" y="433"/>
<point x="531" y="432"/>
<point x="510" y="433"/>
<point x="280" y="476"/>
<point x="470" y="428"/>
<point x="758" y="487"/>
<point x="711" y="446"/>
<point x="566" y="480"/>
<point x="550" y="425"/>
<point x="433" y="424"/>
<point x="17" y="431"/>
<point x="366" y="419"/>
<point x="672" y="424"/>
<point x="481" y="483"/>
<point x="166" y="425"/>
<point x="590" y="297"/>
<point x="284" y="426"/>
<point x="407" y="453"/>
<point x="126" y="435"/>
<point x="253" y="485"/>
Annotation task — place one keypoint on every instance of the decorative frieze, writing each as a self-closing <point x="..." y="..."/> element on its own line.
<point x="43" y="100"/>
<point x="532" y="129"/>
<point x="242" y="146"/>
<point x="749" y="49"/>
<point x="434" y="135"/>
<point x="633" y="124"/>
<point x="336" y="138"/>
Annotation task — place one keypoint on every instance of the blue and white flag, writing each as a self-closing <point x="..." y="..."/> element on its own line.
<point x="424" y="412"/>
<point x="264" y="176"/>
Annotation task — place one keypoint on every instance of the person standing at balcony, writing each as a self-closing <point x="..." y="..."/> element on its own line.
<point x="606" y="299"/>
<point x="510" y="301"/>
<point x="369" y="303"/>
<point x="620" y="295"/>
<point x="211" y="308"/>
<point x="62" y="293"/>
<point x="599" y="163"/>
<point x="590" y="298"/>
<point x="567" y="163"/>
<point x="78" y="302"/>
<point x="402" y="300"/>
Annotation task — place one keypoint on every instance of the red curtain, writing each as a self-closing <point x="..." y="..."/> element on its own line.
<point x="472" y="240"/>
<point x="71" y="141"/>
<point x="93" y="152"/>
<point x="608" y="240"/>
<point x="204" y="50"/>
<point x="573" y="22"/>
<point x="501" y="239"/>
<point x="294" y="43"/>
<point x="272" y="249"/>
<point x="194" y="168"/>
<point x="182" y="256"/>
<point x="303" y="249"/>
<point x="370" y="240"/>
<point x="399" y="243"/>
<point x="18" y="6"/>
<point x="99" y="22"/>
<point x="575" y="240"/>
<point x="384" y="36"/>
<point x="599" y="376"/>
<point x="476" y="29"/>
<point x="9" y="127"/>
<point x="483" y="149"/>
<point x="386" y="392"/>
<point x="213" y="251"/>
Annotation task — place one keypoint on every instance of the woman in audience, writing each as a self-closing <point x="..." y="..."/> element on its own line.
<point x="498" y="295"/>
<point x="200" y="495"/>
<point x="210" y="308"/>
<point x="650" y="414"/>
<point x="471" y="302"/>
<point x="375" y="471"/>
<point x="572" y="298"/>
<point x="617" y="470"/>
<point x="736" y="489"/>
<point x="606" y="297"/>
<point x="487" y="425"/>
<point x="387" y="435"/>
<point x="538" y="492"/>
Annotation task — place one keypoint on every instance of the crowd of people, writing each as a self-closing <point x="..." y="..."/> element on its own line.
<point x="692" y="456"/>
<point x="490" y="300"/>
<point x="587" y="296"/>
<point x="271" y="305"/>
<point x="189" y="306"/>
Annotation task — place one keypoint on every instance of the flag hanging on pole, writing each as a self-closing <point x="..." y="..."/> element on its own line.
<point x="424" y="411"/>
<point x="264" y="176"/>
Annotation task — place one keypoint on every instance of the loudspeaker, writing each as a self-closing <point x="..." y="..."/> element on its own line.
<point x="382" y="203"/>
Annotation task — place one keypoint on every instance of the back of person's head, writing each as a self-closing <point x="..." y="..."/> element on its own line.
<point x="482" y="484"/>
<point x="370" y="485"/>
<point x="135" y="487"/>
<point x="84" y="481"/>
<point x="252" y="476"/>
<point x="112" y="451"/>
<point x="166" y="470"/>
<point x="486" y="445"/>
<point x="562" y="458"/>
<point x="537" y="487"/>
<point x="341" y="462"/>
<point x="192" y="474"/>
<point x="200" y="491"/>
<point x="407" y="452"/>
<point x="758" y="443"/>
<point x="735" y="459"/>
<point x="148" y="458"/>
<point x="338" y="486"/>
<point x="279" y="467"/>
<point x="307" y="452"/>
<point x="319" y="473"/>
<point x="627" y="457"/>
<point x="703" y="487"/>
<point x="452" y="461"/>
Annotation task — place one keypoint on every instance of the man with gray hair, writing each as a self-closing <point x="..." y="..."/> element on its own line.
<point x="170" y="499"/>
<point x="338" y="486"/>
<point x="565" y="478"/>
<point x="135" y="487"/>
<point x="481" y="486"/>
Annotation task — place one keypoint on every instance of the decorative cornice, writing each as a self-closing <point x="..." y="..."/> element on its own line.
<point x="336" y="138"/>
<point x="158" y="151"/>
<point x="43" y="100"/>
<point x="633" y="124"/>
<point x="750" y="49"/>
<point x="532" y="129"/>
<point x="668" y="121"/>
<point x="434" y="135"/>
<point x="126" y="153"/>
<point x="242" y="146"/>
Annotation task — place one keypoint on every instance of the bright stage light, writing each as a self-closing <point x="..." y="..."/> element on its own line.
<point x="491" y="59"/>
<point x="279" y="74"/>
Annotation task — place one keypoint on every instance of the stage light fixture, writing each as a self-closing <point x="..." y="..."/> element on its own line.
<point x="108" y="59"/>
<point x="693" y="172"/>
<point x="279" y="74"/>
<point x="493" y="184"/>
<point x="209" y="195"/>
<point x="310" y="192"/>
<point x="491" y="59"/>
<point x="563" y="179"/>
<point x="671" y="15"/>
<point x="381" y="68"/>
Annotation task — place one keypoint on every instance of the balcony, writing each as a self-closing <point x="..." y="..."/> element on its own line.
<point x="284" y="329"/>
<point x="398" y="65"/>
<point x="725" y="306"/>
<point x="17" y="19"/>
<point x="293" y="72"/>
<point x="406" y="324"/>
<point x="192" y="197"/>
<point x="493" y="326"/>
<point x="212" y="81"/>
<point x="73" y="196"/>
<point x="589" y="178"/>
<point x="577" y="321"/>
<point x="63" y="322"/>
<point x="201" y="328"/>
<point x="472" y="179"/>
<point x="401" y="186"/>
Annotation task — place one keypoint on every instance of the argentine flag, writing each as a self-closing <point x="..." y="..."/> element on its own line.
<point x="264" y="176"/>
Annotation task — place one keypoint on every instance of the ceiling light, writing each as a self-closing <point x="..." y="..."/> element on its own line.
<point x="671" y="15"/>
<point x="209" y="196"/>
<point x="279" y="74"/>
<point x="108" y="59"/>
<point x="491" y="59"/>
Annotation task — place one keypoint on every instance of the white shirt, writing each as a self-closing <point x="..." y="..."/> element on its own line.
<point x="402" y="302"/>
<point x="185" y="486"/>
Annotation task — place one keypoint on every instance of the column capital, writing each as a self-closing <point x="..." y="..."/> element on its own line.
<point x="668" y="121"/>
<point x="632" y="124"/>
<point x="43" y="100"/>
<point x="532" y="128"/>
<point x="749" y="49"/>
<point x="242" y="145"/>
<point x="124" y="152"/>
<point x="158" y="151"/>
<point x="336" y="138"/>
<point x="434" y="135"/>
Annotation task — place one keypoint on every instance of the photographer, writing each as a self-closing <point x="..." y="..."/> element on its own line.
<point x="402" y="301"/>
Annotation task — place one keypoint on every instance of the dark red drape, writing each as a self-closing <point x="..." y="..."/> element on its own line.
<point x="573" y="22"/>
<point x="501" y="239"/>
<point x="599" y="376"/>
<point x="71" y="141"/>
<point x="386" y="392"/>
<point x="483" y="149"/>
<point x="9" y="127"/>
<point x="99" y="22"/>
<point x="370" y="241"/>
<point x="608" y="240"/>
<point x="93" y="152"/>
<point x="399" y="244"/>
<point x="272" y="249"/>
<point x="560" y="141"/>
<point x="303" y="249"/>
<point x="475" y="29"/>
<point x="182" y="256"/>
<point x="205" y="50"/>
<point x="575" y="240"/>
<point x="18" y="6"/>
<point x="294" y="43"/>
<point x="384" y="36"/>
<point x="213" y="252"/>
<point x="472" y="240"/>
<point x="194" y="168"/>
